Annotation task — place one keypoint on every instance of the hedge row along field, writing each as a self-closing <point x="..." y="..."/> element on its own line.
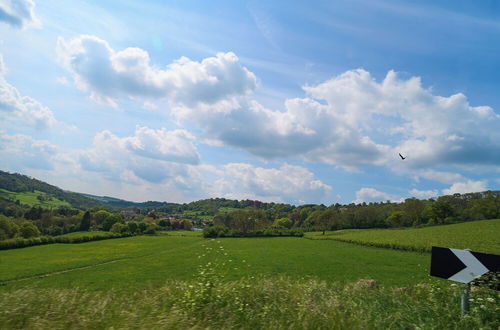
<point x="79" y="237"/>
<point x="250" y="303"/>
<point x="481" y="236"/>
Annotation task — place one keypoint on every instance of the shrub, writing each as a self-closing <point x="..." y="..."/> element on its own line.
<point x="119" y="228"/>
<point x="150" y="230"/>
<point x="216" y="231"/>
<point x="28" y="229"/>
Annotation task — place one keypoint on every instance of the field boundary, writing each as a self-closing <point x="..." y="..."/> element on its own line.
<point x="374" y="244"/>
<point x="63" y="271"/>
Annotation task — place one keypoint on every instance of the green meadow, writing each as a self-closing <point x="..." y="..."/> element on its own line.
<point x="31" y="198"/>
<point x="140" y="261"/>
<point x="180" y="280"/>
<point x="480" y="236"/>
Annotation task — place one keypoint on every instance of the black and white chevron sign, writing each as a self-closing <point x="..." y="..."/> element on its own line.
<point x="462" y="265"/>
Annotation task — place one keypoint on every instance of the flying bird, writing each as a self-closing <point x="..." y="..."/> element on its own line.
<point x="403" y="158"/>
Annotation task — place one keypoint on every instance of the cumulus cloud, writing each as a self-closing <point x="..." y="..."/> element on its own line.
<point x="22" y="109"/>
<point x="109" y="75"/>
<point x="440" y="176"/>
<point x="151" y="155"/>
<point x="423" y="194"/>
<point x="306" y="128"/>
<point x="18" y="13"/>
<point x="466" y="187"/>
<point x="367" y="195"/>
<point x="348" y="121"/>
<point x="289" y="183"/>
<point x="22" y="151"/>
<point x="434" y="130"/>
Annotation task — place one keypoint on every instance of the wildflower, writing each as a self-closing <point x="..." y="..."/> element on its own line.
<point x="490" y="299"/>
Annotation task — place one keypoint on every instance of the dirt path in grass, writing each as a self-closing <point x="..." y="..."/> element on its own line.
<point x="64" y="271"/>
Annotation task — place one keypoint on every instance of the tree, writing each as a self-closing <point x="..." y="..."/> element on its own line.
<point x="119" y="228"/>
<point x="441" y="210"/>
<point x="132" y="227"/>
<point x="187" y="224"/>
<point x="395" y="219"/>
<point x="28" y="229"/>
<point x="8" y="228"/>
<point x="85" y="224"/>
<point x="110" y="221"/>
<point x="99" y="217"/>
<point x="283" y="223"/>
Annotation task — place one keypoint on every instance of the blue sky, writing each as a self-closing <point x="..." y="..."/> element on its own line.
<point x="285" y="101"/>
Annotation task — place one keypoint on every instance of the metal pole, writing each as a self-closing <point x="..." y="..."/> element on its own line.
<point x="464" y="294"/>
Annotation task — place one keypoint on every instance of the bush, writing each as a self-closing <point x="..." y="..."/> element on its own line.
<point x="119" y="228"/>
<point x="28" y="229"/>
<point x="150" y="230"/>
<point x="216" y="231"/>
<point x="223" y="231"/>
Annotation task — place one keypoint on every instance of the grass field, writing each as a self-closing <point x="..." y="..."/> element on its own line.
<point x="31" y="198"/>
<point x="142" y="261"/>
<point x="179" y="280"/>
<point x="480" y="236"/>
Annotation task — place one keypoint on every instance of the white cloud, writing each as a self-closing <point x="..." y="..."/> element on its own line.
<point x="466" y="187"/>
<point x="436" y="130"/>
<point x="22" y="109"/>
<point x="423" y="194"/>
<point x="440" y="176"/>
<point x="20" y="152"/>
<point x="307" y="128"/>
<point x="367" y="195"/>
<point x="109" y="75"/>
<point x="151" y="155"/>
<point x="18" y="13"/>
<point x="289" y="183"/>
<point x="347" y="121"/>
<point x="127" y="168"/>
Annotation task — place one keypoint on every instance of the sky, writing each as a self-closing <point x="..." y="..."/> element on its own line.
<point x="280" y="101"/>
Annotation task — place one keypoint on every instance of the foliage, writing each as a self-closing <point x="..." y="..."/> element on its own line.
<point x="21" y="242"/>
<point x="216" y="231"/>
<point x="85" y="224"/>
<point x="481" y="236"/>
<point x="283" y="223"/>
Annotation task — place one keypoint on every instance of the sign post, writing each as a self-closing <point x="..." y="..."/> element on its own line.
<point x="464" y="295"/>
<point x="462" y="266"/>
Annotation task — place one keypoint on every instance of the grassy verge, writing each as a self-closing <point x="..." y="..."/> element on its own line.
<point x="481" y="236"/>
<point x="250" y="303"/>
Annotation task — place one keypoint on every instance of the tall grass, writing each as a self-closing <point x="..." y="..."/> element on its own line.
<point x="263" y="303"/>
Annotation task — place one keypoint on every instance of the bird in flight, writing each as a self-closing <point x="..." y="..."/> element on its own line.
<point x="403" y="158"/>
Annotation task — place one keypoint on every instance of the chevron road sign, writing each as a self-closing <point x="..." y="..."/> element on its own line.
<point x="462" y="266"/>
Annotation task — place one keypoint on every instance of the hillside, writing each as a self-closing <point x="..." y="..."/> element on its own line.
<point x="23" y="185"/>
<point x="33" y="192"/>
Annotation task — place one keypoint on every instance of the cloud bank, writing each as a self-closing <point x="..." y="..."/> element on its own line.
<point x="346" y="121"/>
<point x="110" y="75"/>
